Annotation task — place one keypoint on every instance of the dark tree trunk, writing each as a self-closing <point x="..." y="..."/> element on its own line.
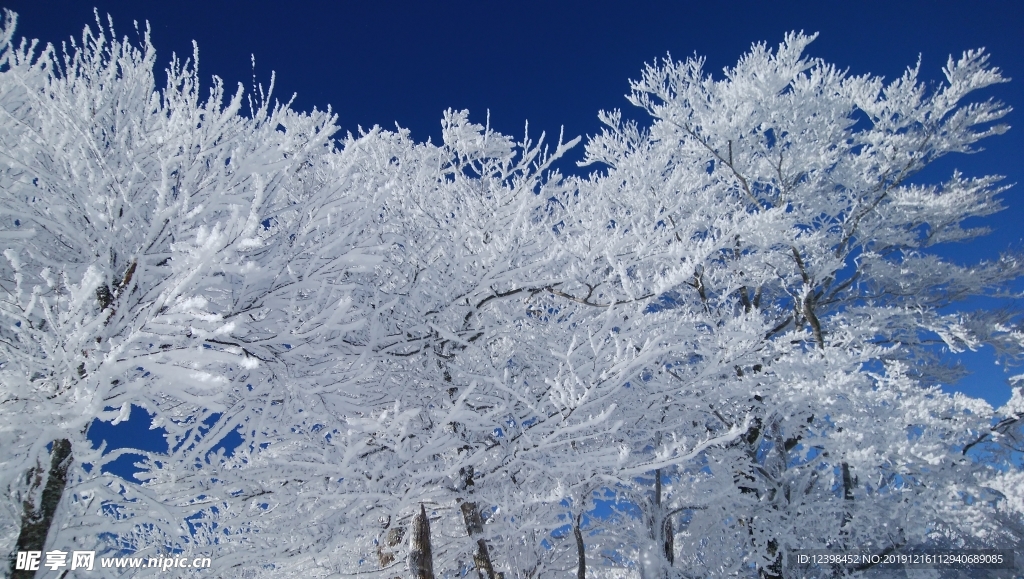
<point x="670" y="545"/>
<point x="475" y="528"/>
<point x="664" y="530"/>
<point x="421" y="556"/>
<point x="36" y="521"/>
<point x="581" y="553"/>
<point x="847" y="482"/>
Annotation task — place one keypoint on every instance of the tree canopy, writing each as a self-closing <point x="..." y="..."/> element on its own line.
<point x="723" y="345"/>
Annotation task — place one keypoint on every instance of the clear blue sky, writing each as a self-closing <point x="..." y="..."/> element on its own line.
<point x="557" y="63"/>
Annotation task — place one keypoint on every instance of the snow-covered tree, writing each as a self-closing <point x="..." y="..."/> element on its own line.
<point x="144" y="230"/>
<point x="773" y="216"/>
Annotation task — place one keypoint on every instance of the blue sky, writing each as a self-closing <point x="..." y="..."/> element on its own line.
<point x="557" y="63"/>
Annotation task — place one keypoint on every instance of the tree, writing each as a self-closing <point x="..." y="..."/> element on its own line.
<point x="768" y="266"/>
<point x="140" y="226"/>
<point x="773" y="210"/>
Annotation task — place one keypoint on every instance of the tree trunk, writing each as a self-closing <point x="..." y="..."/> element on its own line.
<point x="475" y="528"/>
<point x="670" y="542"/>
<point x="663" y="520"/>
<point x="35" y="522"/>
<point x="421" y="556"/>
<point x="847" y="482"/>
<point x="581" y="553"/>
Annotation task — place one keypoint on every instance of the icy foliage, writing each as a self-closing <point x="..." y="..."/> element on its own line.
<point x="722" y="345"/>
